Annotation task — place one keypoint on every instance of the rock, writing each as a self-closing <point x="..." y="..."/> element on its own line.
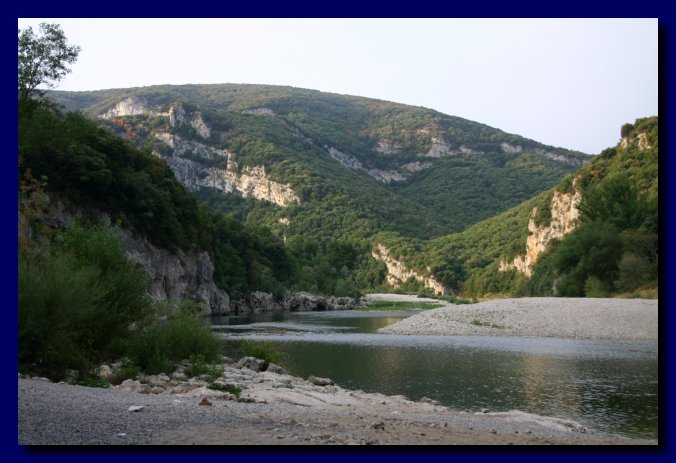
<point x="274" y="368"/>
<point x="156" y="390"/>
<point x="179" y="375"/>
<point x="484" y="410"/>
<point x="427" y="400"/>
<point x="251" y="363"/>
<point x="256" y="302"/>
<point x="377" y="425"/>
<point x="160" y="380"/>
<point x="132" y="385"/>
<point x="205" y="401"/>
<point x="105" y="372"/>
<point x="71" y="376"/>
<point x="176" y="277"/>
<point x="135" y="408"/>
<point x="317" y="381"/>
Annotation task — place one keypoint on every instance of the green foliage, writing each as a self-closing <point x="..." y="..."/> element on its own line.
<point x="226" y="388"/>
<point x="264" y="350"/>
<point x="43" y="60"/>
<point x="200" y="366"/>
<point x="400" y="305"/>
<point x="77" y="300"/>
<point x="94" y="382"/>
<point x="125" y="372"/>
<point x="158" y="347"/>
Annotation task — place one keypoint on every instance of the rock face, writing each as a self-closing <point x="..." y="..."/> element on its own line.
<point x="131" y="106"/>
<point x="249" y="181"/>
<point x="399" y="174"/>
<point x="397" y="273"/>
<point x="564" y="220"/>
<point x="175" y="277"/>
<point x="258" y="302"/>
<point x="640" y="140"/>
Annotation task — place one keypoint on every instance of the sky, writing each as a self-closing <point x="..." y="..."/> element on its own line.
<point x="570" y="83"/>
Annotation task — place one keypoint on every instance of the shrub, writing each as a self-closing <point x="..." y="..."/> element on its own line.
<point x="263" y="350"/>
<point x="165" y="342"/>
<point x="199" y="366"/>
<point x="78" y="299"/>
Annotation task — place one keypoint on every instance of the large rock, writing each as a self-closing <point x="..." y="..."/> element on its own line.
<point x="256" y="302"/>
<point x="176" y="277"/>
<point x="252" y="363"/>
<point x="131" y="385"/>
<point x="317" y="381"/>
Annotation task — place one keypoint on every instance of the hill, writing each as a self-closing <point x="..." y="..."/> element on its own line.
<point x="325" y="166"/>
<point x="594" y="234"/>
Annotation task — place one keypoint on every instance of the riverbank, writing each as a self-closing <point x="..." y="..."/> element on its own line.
<point x="273" y="409"/>
<point x="577" y="318"/>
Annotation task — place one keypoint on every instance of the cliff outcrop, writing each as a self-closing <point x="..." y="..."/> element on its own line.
<point x="397" y="273"/>
<point x="564" y="215"/>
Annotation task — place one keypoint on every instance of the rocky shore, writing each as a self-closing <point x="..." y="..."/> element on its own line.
<point x="579" y="318"/>
<point x="251" y="407"/>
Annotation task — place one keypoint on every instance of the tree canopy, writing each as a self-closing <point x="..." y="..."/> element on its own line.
<point x="43" y="60"/>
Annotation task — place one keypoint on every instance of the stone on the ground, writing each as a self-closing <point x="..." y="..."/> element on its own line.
<point x="105" y="372"/>
<point x="317" y="381"/>
<point x="135" y="408"/>
<point x="133" y="385"/>
<point x="274" y="368"/>
<point x="251" y="363"/>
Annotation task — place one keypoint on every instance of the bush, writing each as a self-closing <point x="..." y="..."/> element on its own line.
<point x="262" y="350"/>
<point x="165" y="342"/>
<point x="199" y="366"/>
<point x="78" y="300"/>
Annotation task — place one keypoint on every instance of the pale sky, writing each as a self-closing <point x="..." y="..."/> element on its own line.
<point x="564" y="82"/>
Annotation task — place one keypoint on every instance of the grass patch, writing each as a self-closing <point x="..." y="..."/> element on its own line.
<point x="400" y="305"/>
<point x="476" y="322"/>
<point x="226" y="388"/>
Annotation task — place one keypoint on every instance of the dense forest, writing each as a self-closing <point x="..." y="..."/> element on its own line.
<point x="613" y="249"/>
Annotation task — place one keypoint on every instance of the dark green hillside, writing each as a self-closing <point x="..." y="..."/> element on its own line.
<point x="613" y="250"/>
<point x="447" y="172"/>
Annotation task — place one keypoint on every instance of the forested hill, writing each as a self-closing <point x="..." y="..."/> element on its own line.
<point x="329" y="167"/>
<point x="594" y="234"/>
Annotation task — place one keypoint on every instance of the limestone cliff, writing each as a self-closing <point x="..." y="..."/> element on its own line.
<point x="132" y="106"/>
<point x="176" y="276"/>
<point x="397" y="273"/>
<point x="564" y="215"/>
<point x="171" y="276"/>
<point x="186" y="161"/>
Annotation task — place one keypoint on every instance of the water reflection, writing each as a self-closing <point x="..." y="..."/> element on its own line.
<point x="605" y="385"/>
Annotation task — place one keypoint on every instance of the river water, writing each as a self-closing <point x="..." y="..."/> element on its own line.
<point x="609" y="386"/>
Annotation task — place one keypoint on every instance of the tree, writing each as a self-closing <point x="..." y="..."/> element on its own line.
<point x="43" y="60"/>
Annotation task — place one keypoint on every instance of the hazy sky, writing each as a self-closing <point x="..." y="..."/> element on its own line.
<point x="568" y="83"/>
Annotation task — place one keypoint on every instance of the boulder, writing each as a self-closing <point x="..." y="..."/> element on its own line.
<point x="317" y="381"/>
<point x="274" y="368"/>
<point x="105" y="372"/>
<point x="251" y="363"/>
<point x="256" y="302"/>
<point x="132" y="385"/>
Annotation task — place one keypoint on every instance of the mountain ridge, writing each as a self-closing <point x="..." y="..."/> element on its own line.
<point x="296" y="135"/>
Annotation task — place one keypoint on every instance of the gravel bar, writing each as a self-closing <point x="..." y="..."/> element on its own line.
<point x="578" y="318"/>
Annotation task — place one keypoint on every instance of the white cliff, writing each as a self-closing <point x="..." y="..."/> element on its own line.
<point x="249" y="181"/>
<point x="640" y="140"/>
<point x="132" y="106"/>
<point x="397" y="273"/>
<point x="564" y="215"/>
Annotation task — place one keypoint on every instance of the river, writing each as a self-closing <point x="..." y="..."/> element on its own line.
<point x="610" y="386"/>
